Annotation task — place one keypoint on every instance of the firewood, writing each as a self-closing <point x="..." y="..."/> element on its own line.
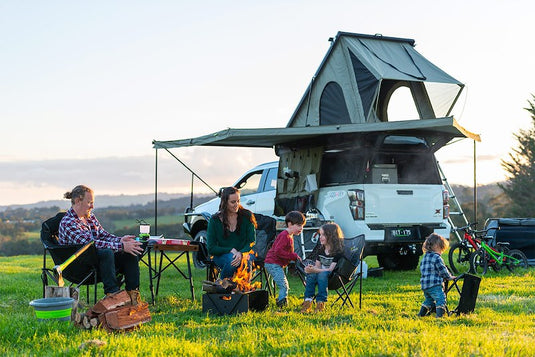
<point x="94" y="322"/>
<point x="77" y="318"/>
<point x="85" y="323"/>
<point x="127" y="317"/>
<point x="111" y="302"/>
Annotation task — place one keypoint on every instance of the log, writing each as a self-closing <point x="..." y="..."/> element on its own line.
<point x="126" y="317"/>
<point x="110" y="302"/>
<point x="65" y="291"/>
<point x="57" y="291"/>
<point x="85" y="323"/>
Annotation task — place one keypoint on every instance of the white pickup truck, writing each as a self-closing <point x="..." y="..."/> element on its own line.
<point x="391" y="191"/>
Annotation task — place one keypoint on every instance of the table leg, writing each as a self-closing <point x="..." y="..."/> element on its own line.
<point x="190" y="278"/>
<point x="159" y="273"/>
<point x="151" y="287"/>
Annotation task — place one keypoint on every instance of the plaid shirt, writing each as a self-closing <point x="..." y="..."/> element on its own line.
<point x="73" y="231"/>
<point x="433" y="270"/>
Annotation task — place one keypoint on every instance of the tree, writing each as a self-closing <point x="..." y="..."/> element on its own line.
<point x="520" y="184"/>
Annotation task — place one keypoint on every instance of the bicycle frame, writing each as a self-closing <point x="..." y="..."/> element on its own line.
<point x="496" y="256"/>
<point x="474" y="242"/>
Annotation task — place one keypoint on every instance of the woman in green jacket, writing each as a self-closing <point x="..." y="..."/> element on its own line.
<point x="231" y="232"/>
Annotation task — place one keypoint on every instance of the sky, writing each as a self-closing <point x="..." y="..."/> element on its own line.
<point x="85" y="87"/>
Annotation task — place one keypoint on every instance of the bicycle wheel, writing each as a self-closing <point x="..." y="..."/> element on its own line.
<point x="459" y="258"/>
<point x="479" y="262"/>
<point x="516" y="260"/>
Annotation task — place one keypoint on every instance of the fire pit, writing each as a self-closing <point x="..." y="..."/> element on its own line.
<point x="235" y="302"/>
<point x="229" y="297"/>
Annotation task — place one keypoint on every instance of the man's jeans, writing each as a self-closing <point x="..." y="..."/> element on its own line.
<point x="322" y="281"/>
<point x="109" y="263"/>
<point x="277" y="272"/>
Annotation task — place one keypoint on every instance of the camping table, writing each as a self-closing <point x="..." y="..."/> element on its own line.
<point x="156" y="271"/>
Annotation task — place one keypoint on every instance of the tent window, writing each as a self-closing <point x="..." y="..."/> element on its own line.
<point x="366" y="82"/>
<point x="333" y="108"/>
<point x="401" y="105"/>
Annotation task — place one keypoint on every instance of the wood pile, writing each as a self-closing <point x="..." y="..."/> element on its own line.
<point x="114" y="313"/>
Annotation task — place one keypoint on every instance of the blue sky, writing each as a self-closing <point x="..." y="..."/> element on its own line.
<point x="86" y="86"/>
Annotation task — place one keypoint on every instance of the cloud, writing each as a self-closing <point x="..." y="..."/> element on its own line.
<point x="31" y="181"/>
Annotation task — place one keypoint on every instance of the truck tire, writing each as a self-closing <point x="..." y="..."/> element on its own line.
<point x="200" y="258"/>
<point x="395" y="261"/>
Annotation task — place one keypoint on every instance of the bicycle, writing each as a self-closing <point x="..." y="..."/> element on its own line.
<point x="461" y="252"/>
<point x="497" y="257"/>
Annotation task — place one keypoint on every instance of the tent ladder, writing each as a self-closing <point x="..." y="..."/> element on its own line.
<point x="455" y="205"/>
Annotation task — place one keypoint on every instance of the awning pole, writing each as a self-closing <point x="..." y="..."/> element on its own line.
<point x="475" y="185"/>
<point x="156" y="195"/>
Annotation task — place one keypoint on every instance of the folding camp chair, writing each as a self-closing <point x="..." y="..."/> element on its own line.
<point x="468" y="293"/>
<point x="348" y="270"/>
<point x="82" y="271"/>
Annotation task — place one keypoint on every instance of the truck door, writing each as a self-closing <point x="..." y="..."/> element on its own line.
<point x="258" y="191"/>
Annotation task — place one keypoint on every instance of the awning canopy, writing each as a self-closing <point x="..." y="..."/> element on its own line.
<point x="435" y="130"/>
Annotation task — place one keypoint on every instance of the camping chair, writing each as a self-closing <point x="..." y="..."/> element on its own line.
<point x="468" y="293"/>
<point x="347" y="272"/>
<point x="266" y="232"/>
<point x="82" y="271"/>
<point x="203" y="260"/>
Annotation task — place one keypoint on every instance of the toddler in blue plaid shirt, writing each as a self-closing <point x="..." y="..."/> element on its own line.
<point x="434" y="271"/>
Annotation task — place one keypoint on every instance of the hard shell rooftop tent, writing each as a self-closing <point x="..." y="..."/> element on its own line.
<point x="350" y="93"/>
<point x="358" y="75"/>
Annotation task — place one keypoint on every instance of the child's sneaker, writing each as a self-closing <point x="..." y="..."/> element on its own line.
<point x="282" y="302"/>
<point x="307" y="304"/>
<point x="320" y="306"/>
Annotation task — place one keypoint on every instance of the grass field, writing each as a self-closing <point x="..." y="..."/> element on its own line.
<point x="502" y="325"/>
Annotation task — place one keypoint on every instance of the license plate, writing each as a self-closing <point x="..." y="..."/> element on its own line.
<point x="401" y="233"/>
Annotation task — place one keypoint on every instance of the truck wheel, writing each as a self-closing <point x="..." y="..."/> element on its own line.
<point x="387" y="261"/>
<point x="199" y="258"/>
<point x="394" y="261"/>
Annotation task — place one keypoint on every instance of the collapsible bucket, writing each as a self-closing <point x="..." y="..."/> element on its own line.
<point x="58" y="308"/>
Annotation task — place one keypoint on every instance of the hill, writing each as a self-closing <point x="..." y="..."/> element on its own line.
<point x="104" y="201"/>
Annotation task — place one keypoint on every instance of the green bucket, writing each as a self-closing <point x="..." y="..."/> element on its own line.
<point x="58" y="308"/>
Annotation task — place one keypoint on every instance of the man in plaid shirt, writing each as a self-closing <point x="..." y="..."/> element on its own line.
<point x="434" y="272"/>
<point x="81" y="226"/>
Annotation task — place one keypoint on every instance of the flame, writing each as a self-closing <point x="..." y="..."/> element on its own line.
<point x="243" y="275"/>
<point x="226" y="297"/>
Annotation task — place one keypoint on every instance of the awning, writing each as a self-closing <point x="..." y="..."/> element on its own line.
<point x="446" y="128"/>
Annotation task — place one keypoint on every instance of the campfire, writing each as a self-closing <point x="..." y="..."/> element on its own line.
<point x="244" y="274"/>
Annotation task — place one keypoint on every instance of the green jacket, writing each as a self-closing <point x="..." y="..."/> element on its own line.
<point x="217" y="244"/>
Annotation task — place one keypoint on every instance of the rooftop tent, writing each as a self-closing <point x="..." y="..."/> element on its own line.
<point x="358" y="76"/>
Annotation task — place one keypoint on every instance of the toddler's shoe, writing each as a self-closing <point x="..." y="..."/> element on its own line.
<point x="307" y="304"/>
<point x="282" y="302"/>
<point x="441" y="312"/>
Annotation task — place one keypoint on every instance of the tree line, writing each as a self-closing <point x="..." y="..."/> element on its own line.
<point x="16" y="222"/>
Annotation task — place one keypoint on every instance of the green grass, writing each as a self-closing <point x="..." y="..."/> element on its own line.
<point x="502" y="325"/>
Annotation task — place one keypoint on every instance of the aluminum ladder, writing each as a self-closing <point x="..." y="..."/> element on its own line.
<point x="457" y="209"/>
